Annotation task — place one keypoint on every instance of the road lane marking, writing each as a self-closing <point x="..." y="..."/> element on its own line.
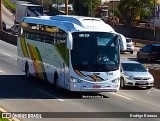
<point x="50" y="95"/>
<point x="1" y="71"/>
<point x="7" y="54"/>
<point x="121" y="96"/>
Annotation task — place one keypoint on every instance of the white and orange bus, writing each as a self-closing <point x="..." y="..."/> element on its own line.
<point x="72" y="52"/>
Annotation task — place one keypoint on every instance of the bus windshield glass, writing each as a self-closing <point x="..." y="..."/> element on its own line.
<point x="95" y="51"/>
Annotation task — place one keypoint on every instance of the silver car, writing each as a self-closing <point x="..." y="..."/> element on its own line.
<point x="135" y="74"/>
<point x="130" y="46"/>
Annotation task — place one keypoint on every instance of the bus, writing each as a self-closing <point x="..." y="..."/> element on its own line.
<point x="72" y="52"/>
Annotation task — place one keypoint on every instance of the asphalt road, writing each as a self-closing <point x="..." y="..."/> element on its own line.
<point x="17" y="94"/>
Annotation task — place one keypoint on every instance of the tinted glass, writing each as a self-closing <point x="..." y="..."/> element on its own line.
<point x="156" y="49"/>
<point x="95" y="51"/>
<point x="128" y="40"/>
<point x="134" y="67"/>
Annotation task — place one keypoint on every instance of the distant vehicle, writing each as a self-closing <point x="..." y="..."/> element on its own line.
<point x="149" y="52"/>
<point x="135" y="74"/>
<point x="130" y="46"/>
<point x="72" y="52"/>
<point x="15" y="29"/>
<point x="27" y="10"/>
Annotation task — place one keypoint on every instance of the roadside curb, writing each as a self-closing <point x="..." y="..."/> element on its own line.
<point x="12" y="119"/>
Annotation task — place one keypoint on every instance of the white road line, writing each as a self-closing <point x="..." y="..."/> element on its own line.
<point x="121" y="96"/>
<point x="1" y="71"/>
<point x="7" y="54"/>
<point x="50" y="95"/>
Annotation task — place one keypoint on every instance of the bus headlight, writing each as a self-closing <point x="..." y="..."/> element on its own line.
<point x="75" y="80"/>
<point x="116" y="80"/>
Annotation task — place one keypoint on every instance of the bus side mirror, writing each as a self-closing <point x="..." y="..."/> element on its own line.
<point x="122" y="42"/>
<point x="69" y="40"/>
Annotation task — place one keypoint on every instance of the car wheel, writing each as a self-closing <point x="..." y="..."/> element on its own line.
<point x="138" y="57"/>
<point x="131" y="52"/>
<point x="56" y="84"/>
<point x="122" y="83"/>
<point x="149" y="87"/>
<point x="27" y="73"/>
<point x="149" y="59"/>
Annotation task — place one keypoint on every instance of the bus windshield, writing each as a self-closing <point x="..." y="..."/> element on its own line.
<point x="95" y="51"/>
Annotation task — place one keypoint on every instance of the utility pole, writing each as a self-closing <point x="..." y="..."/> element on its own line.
<point x="113" y="14"/>
<point x="42" y="2"/>
<point x="154" y="21"/>
<point x="91" y="9"/>
<point x="66" y="6"/>
<point x="0" y="14"/>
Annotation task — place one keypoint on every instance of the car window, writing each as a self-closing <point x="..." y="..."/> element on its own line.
<point x="134" y="67"/>
<point x="156" y="48"/>
<point x="147" y="48"/>
<point x="128" y="40"/>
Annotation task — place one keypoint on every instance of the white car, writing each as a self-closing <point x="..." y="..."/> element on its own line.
<point x="135" y="74"/>
<point x="130" y="46"/>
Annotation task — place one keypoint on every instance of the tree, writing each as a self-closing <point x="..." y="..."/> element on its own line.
<point x="130" y="9"/>
<point x="85" y="7"/>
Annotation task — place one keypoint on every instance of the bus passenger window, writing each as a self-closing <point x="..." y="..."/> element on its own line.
<point x="39" y="38"/>
<point x="49" y="40"/>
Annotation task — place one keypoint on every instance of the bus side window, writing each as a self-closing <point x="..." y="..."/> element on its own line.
<point x="32" y="36"/>
<point x="49" y="40"/>
<point x="39" y="38"/>
<point x="61" y="37"/>
<point x="27" y="36"/>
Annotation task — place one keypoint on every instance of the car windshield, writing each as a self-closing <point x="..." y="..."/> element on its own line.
<point x="128" y="40"/>
<point x="95" y="51"/>
<point x="134" y="67"/>
<point x="156" y="49"/>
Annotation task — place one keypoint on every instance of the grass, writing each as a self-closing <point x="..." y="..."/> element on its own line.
<point x="3" y="119"/>
<point x="139" y="45"/>
<point x="9" y="5"/>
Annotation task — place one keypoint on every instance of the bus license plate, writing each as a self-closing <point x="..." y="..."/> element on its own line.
<point x="96" y="86"/>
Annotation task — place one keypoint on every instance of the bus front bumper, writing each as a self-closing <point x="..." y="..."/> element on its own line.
<point x="94" y="87"/>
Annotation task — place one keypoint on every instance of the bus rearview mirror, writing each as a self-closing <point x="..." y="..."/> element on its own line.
<point x="69" y="41"/>
<point x="122" y="42"/>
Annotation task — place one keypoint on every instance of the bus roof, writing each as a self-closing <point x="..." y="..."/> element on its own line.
<point x="72" y="23"/>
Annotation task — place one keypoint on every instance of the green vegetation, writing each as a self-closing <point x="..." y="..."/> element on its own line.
<point x="9" y="5"/>
<point x="3" y="119"/>
<point x="130" y="10"/>
<point x="85" y="7"/>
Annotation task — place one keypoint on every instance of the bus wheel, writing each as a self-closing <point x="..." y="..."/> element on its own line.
<point x="27" y="74"/>
<point x="56" y="84"/>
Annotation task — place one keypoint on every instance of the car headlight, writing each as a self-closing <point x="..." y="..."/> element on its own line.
<point x="75" y="80"/>
<point x="129" y="77"/>
<point x="116" y="80"/>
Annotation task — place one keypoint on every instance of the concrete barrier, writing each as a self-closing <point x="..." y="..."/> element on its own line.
<point x="7" y="37"/>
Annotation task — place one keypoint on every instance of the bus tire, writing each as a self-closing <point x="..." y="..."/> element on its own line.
<point x="27" y="73"/>
<point x="56" y="84"/>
